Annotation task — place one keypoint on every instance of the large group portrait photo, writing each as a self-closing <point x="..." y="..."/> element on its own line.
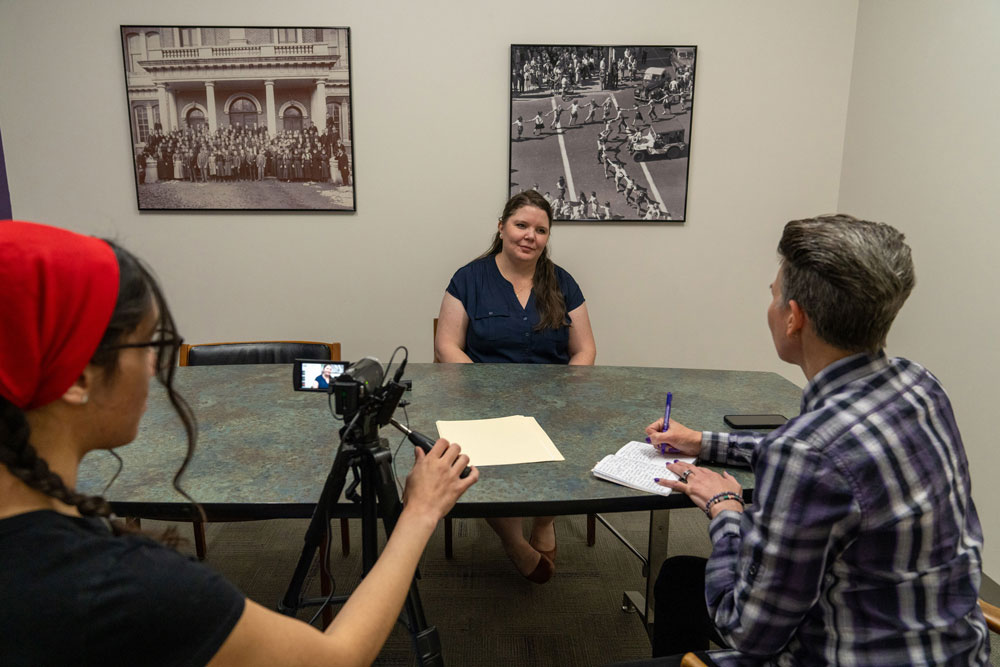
<point x="603" y="132"/>
<point x="236" y="118"/>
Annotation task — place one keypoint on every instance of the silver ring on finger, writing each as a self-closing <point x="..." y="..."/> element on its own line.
<point x="685" y="475"/>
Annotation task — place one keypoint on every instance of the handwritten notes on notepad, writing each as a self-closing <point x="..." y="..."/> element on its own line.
<point x="501" y="441"/>
<point x="636" y="465"/>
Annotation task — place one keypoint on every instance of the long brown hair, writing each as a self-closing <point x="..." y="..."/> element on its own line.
<point x="549" y="299"/>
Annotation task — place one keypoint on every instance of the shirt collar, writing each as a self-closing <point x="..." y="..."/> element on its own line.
<point x="840" y="373"/>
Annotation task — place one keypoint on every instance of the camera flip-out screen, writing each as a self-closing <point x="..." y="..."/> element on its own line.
<point x="316" y="374"/>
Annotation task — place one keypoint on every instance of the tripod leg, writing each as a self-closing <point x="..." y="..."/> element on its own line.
<point x="370" y="499"/>
<point x="426" y="642"/>
<point x="325" y="586"/>
<point x="319" y="527"/>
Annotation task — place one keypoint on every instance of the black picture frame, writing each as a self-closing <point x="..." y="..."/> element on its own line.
<point x="580" y="102"/>
<point x="228" y="118"/>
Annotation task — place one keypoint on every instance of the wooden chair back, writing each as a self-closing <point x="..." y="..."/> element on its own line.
<point x="434" y="342"/>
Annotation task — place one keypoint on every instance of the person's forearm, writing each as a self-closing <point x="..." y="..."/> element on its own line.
<point x="452" y="354"/>
<point x="583" y="358"/>
<point x="369" y="615"/>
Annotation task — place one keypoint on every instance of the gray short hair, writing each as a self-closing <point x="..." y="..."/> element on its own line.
<point x="849" y="276"/>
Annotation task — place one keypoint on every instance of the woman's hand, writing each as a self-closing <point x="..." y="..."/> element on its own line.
<point x="678" y="439"/>
<point x="433" y="486"/>
<point x="702" y="484"/>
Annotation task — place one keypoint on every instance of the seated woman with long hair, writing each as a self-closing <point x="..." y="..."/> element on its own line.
<point x="514" y="305"/>
<point x="85" y="327"/>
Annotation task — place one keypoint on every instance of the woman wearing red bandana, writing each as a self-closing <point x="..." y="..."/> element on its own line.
<point x="84" y="329"/>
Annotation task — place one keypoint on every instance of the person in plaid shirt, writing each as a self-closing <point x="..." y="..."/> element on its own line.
<point x="862" y="545"/>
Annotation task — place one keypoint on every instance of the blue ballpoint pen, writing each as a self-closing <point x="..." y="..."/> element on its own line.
<point x="666" y="413"/>
<point x="664" y="448"/>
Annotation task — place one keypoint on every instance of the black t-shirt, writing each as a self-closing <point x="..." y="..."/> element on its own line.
<point x="72" y="593"/>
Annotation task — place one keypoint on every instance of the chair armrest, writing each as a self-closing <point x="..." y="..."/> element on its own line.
<point x="691" y="660"/>
<point x="992" y="614"/>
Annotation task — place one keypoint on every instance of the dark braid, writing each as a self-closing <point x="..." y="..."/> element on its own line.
<point x="23" y="461"/>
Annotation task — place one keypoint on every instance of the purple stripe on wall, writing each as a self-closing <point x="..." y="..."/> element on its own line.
<point x="5" y="211"/>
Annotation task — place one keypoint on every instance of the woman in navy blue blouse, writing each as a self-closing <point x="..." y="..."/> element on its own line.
<point x="514" y="305"/>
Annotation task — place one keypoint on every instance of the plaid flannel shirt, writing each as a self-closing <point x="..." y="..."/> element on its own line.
<point x="862" y="545"/>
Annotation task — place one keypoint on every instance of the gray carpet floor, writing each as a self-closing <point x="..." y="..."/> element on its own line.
<point x="486" y="613"/>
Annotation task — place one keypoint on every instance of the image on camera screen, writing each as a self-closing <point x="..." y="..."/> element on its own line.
<point x="319" y="374"/>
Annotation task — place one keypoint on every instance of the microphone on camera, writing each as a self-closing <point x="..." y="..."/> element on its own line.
<point x="421" y="441"/>
<point x="399" y="373"/>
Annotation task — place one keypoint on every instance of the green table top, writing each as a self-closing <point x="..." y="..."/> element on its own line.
<point x="264" y="450"/>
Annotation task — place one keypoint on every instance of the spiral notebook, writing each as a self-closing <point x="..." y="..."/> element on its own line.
<point x="636" y="465"/>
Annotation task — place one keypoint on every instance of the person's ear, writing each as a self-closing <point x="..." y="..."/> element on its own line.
<point x="500" y="226"/>
<point x="79" y="391"/>
<point x="796" y="320"/>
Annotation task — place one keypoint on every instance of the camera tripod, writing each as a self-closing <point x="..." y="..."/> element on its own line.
<point x="362" y="451"/>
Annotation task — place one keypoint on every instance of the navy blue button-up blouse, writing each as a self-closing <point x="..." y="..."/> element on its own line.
<point x="500" y="330"/>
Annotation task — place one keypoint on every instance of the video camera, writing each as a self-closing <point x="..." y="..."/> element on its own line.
<point x="361" y="397"/>
<point x="357" y="389"/>
<point x="360" y="389"/>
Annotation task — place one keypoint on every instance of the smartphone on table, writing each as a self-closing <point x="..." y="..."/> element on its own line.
<point x="754" y="422"/>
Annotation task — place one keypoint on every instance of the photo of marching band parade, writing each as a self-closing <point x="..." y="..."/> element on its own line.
<point x="240" y="118"/>
<point x="603" y="132"/>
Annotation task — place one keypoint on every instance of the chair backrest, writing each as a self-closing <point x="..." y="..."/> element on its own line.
<point x="434" y="342"/>
<point x="256" y="352"/>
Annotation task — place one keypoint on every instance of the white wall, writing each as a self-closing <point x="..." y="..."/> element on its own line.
<point x="430" y="110"/>
<point x="923" y="153"/>
<point x="431" y="127"/>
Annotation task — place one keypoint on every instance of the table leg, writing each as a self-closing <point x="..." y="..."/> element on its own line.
<point x="642" y="602"/>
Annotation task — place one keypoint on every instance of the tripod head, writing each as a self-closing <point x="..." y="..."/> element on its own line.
<point x="366" y="405"/>
<point x="364" y="401"/>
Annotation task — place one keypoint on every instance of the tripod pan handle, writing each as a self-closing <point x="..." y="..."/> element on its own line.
<point x="425" y="443"/>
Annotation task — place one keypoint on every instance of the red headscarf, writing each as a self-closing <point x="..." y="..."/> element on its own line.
<point x="57" y="292"/>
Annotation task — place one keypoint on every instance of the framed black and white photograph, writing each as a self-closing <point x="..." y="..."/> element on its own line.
<point x="230" y="118"/>
<point x="603" y="132"/>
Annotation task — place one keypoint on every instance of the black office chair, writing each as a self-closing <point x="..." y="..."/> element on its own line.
<point x="257" y="352"/>
<point x="449" y="530"/>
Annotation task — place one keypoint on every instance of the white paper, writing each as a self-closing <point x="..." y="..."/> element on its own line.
<point x="636" y="465"/>
<point x="501" y="441"/>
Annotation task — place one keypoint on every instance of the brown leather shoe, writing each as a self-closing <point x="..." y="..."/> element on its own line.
<point x="543" y="571"/>
<point x="551" y="553"/>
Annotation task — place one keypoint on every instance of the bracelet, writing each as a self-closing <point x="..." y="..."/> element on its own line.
<point x="722" y="497"/>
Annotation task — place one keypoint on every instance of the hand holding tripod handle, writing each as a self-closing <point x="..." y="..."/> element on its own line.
<point x="422" y="441"/>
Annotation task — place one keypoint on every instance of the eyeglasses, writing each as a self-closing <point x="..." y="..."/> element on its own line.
<point x="166" y="349"/>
